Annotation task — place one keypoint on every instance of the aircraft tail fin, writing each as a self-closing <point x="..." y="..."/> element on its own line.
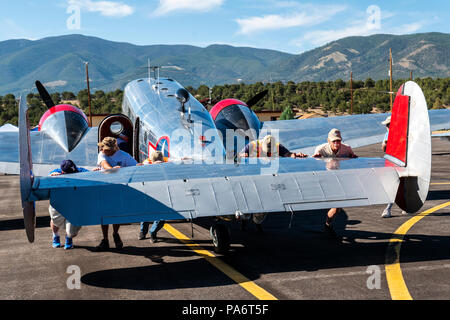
<point x="409" y="146"/>
<point x="26" y="167"/>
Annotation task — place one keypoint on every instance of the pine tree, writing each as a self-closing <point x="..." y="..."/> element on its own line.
<point x="287" y="114"/>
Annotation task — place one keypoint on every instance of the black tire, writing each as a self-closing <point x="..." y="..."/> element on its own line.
<point x="221" y="238"/>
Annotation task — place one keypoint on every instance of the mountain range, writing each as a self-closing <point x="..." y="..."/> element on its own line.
<point x="59" y="62"/>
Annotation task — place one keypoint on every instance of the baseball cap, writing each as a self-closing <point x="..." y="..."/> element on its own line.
<point x="334" y="135"/>
<point x="67" y="166"/>
<point x="387" y="121"/>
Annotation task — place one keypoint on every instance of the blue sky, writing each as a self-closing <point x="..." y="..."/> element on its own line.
<point x="288" y="26"/>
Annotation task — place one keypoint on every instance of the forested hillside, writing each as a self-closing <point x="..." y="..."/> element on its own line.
<point x="332" y="97"/>
<point x="58" y="61"/>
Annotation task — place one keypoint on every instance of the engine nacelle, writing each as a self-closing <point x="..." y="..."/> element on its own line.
<point x="65" y="124"/>
<point x="237" y="123"/>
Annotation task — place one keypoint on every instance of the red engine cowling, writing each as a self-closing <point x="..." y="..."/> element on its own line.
<point x="233" y="118"/>
<point x="65" y="124"/>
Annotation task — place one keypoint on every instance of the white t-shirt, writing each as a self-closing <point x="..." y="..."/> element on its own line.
<point x="120" y="158"/>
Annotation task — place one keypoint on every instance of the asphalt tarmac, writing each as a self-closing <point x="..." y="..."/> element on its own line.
<point x="297" y="263"/>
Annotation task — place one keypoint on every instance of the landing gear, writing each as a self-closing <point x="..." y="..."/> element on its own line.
<point x="221" y="238"/>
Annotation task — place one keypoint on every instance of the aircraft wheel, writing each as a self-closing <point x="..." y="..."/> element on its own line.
<point x="221" y="238"/>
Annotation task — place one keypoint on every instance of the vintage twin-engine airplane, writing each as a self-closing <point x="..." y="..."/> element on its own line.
<point x="205" y="178"/>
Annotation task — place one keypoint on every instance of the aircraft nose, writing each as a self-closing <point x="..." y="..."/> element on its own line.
<point x="66" y="128"/>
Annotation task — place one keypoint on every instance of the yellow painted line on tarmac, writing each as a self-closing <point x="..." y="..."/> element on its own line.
<point x="396" y="283"/>
<point x="440" y="131"/>
<point x="440" y="183"/>
<point x="237" y="277"/>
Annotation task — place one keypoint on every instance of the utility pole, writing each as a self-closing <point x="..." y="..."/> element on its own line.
<point x="89" y="93"/>
<point x="390" y="75"/>
<point x="410" y="75"/>
<point x="351" y="92"/>
<point x="271" y="89"/>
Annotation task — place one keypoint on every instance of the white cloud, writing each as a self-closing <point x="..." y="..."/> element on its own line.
<point x="412" y="27"/>
<point x="359" y="28"/>
<point x="13" y="29"/>
<point x="167" y="6"/>
<point x="321" y="37"/>
<point x="106" y="8"/>
<point x="308" y="17"/>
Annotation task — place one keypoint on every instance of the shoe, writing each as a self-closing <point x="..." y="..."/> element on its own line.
<point x="153" y="238"/>
<point x="330" y="231"/>
<point x="141" y="235"/>
<point x="386" y="213"/>
<point x="56" y="243"/>
<point x="404" y="212"/>
<point x="117" y="241"/>
<point x="103" y="246"/>
<point x="69" y="244"/>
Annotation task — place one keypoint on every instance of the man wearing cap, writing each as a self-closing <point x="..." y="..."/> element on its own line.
<point x="334" y="148"/>
<point x="155" y="158"/>
<point x="387" y="123"/>
<point x="57" y="220"/>
<point x="110" y="156"/>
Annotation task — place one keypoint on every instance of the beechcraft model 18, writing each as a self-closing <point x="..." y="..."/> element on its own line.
<point x="203" y="176"/>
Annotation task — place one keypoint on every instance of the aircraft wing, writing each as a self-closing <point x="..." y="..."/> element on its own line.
<point x="305" y="135"/>
<point x="182" y="191"/>
<point x="47" y="154"/>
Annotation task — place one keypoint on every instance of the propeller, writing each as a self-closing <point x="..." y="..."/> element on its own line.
<point x="255" y="99"/>
<point x="44" y="95"/>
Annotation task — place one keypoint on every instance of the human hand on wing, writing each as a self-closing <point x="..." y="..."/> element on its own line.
<point x="299" y="155"/>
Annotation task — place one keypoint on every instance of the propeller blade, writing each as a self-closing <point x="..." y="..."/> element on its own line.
<point x="256" y="98"/>
<point x="44" y="95"/>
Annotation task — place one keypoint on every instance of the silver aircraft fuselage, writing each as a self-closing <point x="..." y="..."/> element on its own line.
<point x="164" y="125"/>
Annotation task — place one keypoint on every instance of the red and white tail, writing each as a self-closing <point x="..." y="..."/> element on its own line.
<point x="409" y="146"/>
